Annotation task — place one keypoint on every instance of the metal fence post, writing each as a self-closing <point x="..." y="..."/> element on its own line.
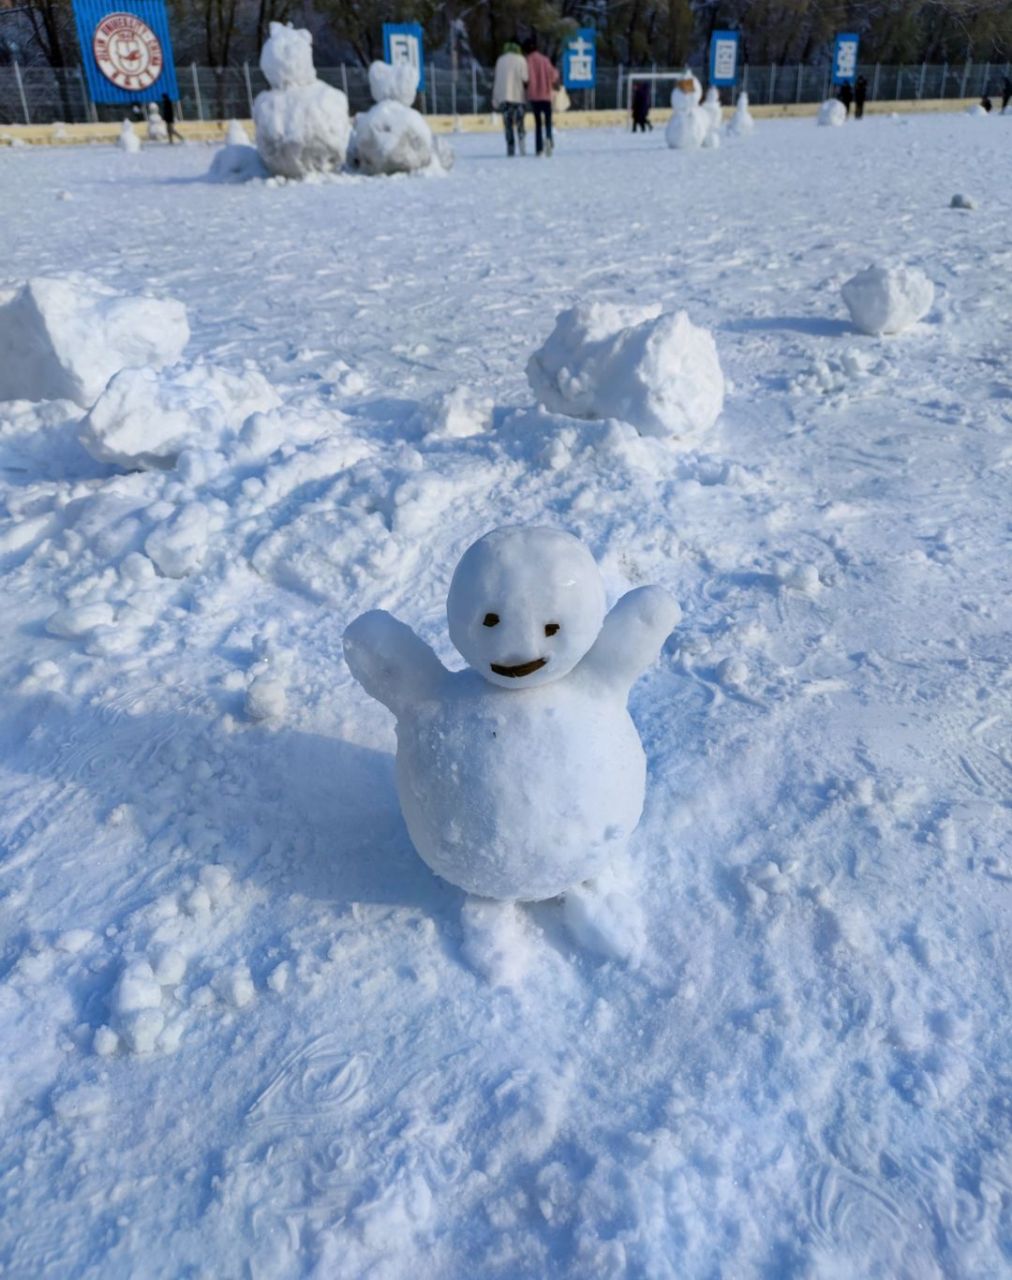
<point x="983" y="83"/>
<point x="21" y="91"/>
<point x="874" y="84"/>
<point x="773" y="80"/>
<point x="249" y="87"/>
<point x="744" y="79"/>
<point x="344" y="80"/>
<point x="196" y="91"/>
<point x="797" y="90"/>
<point x="920" y="83"/>
<point x="618" y="89"/>
<point x="966" y="76"/>
<point x="945" y="77"/>
<point x="899" y="80"/>
<point x="474" y="86"/>
<point x="85" y="100"/>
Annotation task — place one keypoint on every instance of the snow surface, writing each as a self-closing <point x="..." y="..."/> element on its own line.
<point x="800" y="1067"/>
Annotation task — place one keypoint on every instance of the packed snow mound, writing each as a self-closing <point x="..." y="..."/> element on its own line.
<point x="158" y="130"/>
<point x="146" y="418"/>
<point x="523" y="775"/>
<point x="287" y="57"/>
<point x="832" y="113"/>
<point x="237" y="162"/>
<point x="302" y="130"/>
<point x="64" y="338"/>
<point x="393" y="83"/>
<point x="742" y="122"/>
<point x="658" y="372"/>
<point x="236" y="136"/>
<point x="128" y="140"/>
<point x="888" y="299"/>
<point x="392" y="138"/>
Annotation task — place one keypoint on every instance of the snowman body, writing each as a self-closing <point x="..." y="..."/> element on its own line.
<point x="519" y="794"/>
<point x="522" y="775"/>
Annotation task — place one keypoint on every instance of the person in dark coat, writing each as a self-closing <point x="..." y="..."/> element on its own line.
<point x="1006" y="93"/>
<point x="860" y="93"/>
<point x="169" y="116"/>
<point x="641" y="106"/>
<point x="846" y="95"/>
<point x="985" y="101"/>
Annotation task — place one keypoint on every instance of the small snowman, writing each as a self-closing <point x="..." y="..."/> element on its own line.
<point x="128" y="140"/>
<point x="523" y="775"/>
<point x="742" y="122"/>
<point x="689" y="126"/>
<point x="157" y="129"/>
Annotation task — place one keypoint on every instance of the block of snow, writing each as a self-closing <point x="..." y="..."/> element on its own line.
<point x="391" y="138"/>
<point x="265" y="698"/>
<point x="459" y="413"/>
<point x="145" y="418"/>
<point x="393" y="84"/>
<point x="287" y="56"/>
<point x="832" y="113"/>
<point x="977" y="111"/>
<point x="659" y="372"/>
<point x="237" y="162"/>
<point x="888" y="299"/>
<point x="128" y="140"/>
<point x="64" y="338"/>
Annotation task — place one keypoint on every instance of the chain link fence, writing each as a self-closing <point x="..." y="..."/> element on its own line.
<point x="34" y="95"/>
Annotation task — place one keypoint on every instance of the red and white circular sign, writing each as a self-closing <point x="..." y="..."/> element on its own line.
<point x="127" y="51"/>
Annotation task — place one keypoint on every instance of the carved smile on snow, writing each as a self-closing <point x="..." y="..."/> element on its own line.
<point x="524" y="669"/>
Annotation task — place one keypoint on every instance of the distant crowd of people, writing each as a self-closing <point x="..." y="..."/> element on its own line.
<point x="525" y="80"/>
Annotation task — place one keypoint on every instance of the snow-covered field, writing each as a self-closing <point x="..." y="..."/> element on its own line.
<point x="244" y="1032"/>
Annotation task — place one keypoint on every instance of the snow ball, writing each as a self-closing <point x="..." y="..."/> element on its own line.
<point x="732" y="673"/>
<point x="64" y="338"/>
<point x="391" y="138"/>
<point x="395" y="84"/>
<point x="68" y="624"/>
<point x="235" y="986"/>
<point x="145" y="418"/>
<point x="804" y="578"/>
<point x="170" y="967"/>
<point x="959" y="201"/>
<point x="888" y="299"/>
<point x="136" y="989"/>
<point x="236" y="135"/>
<point x="106" y="1042"/>
<point x="265" y="698"/>
<point x="178" y="546"/>
<point x="832" y="114"/>
<point x="460" y="413"/>
<point x="278" y="977"/>
<point x="287" y="56"/>
<point x="658" y="372"/>
<point x="128" y="141"/>
<point x="237" y="162"/>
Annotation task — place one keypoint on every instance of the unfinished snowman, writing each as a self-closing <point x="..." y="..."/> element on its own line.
<point x="523" y="775"/>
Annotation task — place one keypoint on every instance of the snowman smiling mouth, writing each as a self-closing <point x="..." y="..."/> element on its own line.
<point x="524" y="669"/>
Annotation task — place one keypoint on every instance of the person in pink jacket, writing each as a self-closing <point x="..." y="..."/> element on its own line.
<point x="542" y="81"/>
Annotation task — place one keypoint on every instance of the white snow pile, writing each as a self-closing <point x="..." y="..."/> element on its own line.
<point x="832" y="113"/>
<point x="391" y="137"/>
<point x="977" y="111"/>
<point x="689" y="126"/>
<point x="128" y="140"/>
<point x="459" y="413"/>
<point x="236" y="135"/>
<point x="157" y="129"/>
<point x="237" y="162"/>
<point x="887" y="299"/>
<point x="63" y="338"/>
<point x="302" y="124"/>
<point x="742" y="122"/>
<point x="659" y="372"/>
<point x="146" y="418"/>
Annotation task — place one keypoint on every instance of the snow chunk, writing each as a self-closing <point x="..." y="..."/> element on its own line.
<point x="69" y="624"/>
<point x="179" y="546"/>
<point x="888" y="299"/>
<point x="460" y="413"/>
<point x="393" y="84"/>
<point x="265" y="698"/>
<point x="301" y="123"/>
<point x="64" y="338"/>
<point x="128" y="141"/>
<point x="237" y="162"/>
<point x="144" y="419"/>
<point x="659" y="372"/>
<point x="832" y="113"/>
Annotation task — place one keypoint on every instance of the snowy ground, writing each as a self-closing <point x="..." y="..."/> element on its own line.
<point x="352" y="1071"/>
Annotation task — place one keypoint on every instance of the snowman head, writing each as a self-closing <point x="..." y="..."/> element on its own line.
<point x="525" y="605"/>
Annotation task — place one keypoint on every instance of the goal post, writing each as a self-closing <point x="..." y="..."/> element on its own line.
<point x="636" y="77"/>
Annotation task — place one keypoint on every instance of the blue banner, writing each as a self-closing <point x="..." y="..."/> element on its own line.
<point x="126" y="50"/>
<point x="724" y="58"/>
<point x="579" y="60"/>
<point x="402" y="42"/>
<point x="845" y="58"/>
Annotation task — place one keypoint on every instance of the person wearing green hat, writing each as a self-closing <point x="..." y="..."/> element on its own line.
<point x="509" y="94"/>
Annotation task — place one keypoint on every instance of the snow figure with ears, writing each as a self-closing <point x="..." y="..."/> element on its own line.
<point x="522" y="775"/>
<point x="301" y="123"/>
<point x="689" y="125"/>
<point x="392" y="137"/>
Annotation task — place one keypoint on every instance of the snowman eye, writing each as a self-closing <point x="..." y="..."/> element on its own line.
<point x="551" y="628"/>
<point x="490" y="620"/>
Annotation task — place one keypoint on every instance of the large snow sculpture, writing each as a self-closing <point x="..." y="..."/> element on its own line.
<point x="888" y="299"/>
<point x="301" y="123"/>
<point x="741" y="123"/>
<point x="391" y="137"/>
<point x="522" y="775"/>
<point x="689" y="125"/>
<point x="659" y="372"/>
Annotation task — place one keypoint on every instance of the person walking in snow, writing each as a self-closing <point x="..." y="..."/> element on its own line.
<point x="1006" y="93"/>
<point x="509" y="93"/>
<point x="641" y="107"/>
<point x="846" y="95"/>
<point x="169" y="116"/>
<point x="542" y="81"/>
<point x="860" y="94"/>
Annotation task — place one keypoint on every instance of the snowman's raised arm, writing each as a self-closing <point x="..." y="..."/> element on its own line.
<point x="632" y="635"/>
<point x="390" y="662"/>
